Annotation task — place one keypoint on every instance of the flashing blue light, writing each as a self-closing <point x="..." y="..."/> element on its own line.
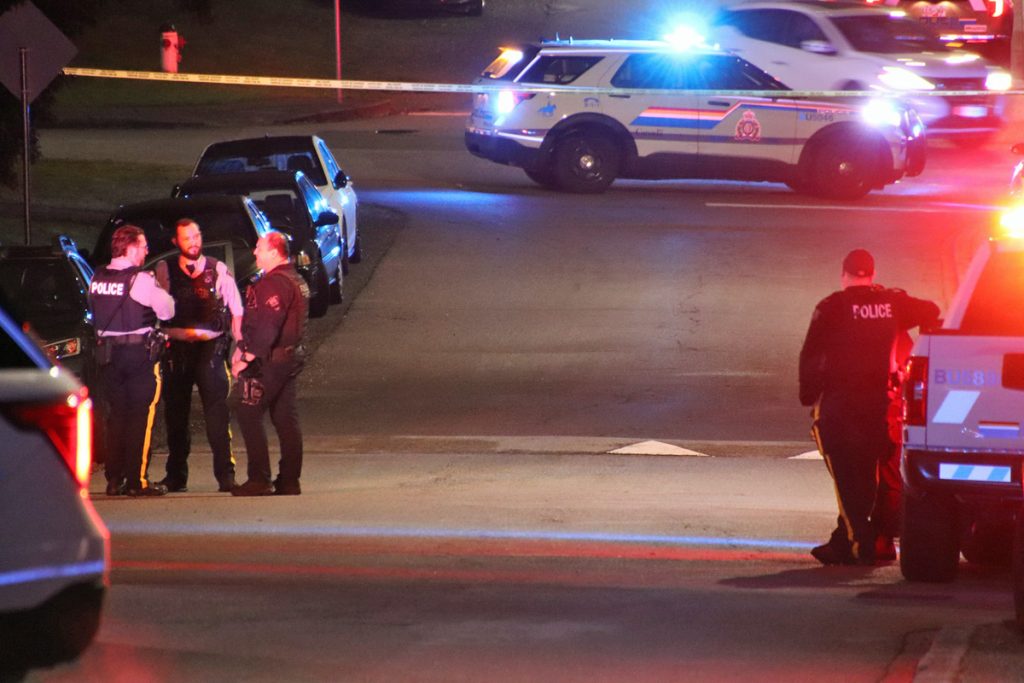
<point x="684" y="37"/>
<point x="882" y="112"/>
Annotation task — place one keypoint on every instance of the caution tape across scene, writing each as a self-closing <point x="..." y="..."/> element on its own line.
<point x="394" y="86"/>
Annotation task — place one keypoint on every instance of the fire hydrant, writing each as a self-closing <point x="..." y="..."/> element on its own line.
<point x="170" y="48"/>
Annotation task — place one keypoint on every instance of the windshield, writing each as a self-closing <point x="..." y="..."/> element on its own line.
<point x="886" y="34"/>
<point x="268" y="156"/>
<point x="40" y="290"/>
<point x="220" y="225"/>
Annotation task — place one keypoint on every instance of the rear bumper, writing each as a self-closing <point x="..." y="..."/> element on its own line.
<point x="968" y="476"/>
<point x="501" y="150"/>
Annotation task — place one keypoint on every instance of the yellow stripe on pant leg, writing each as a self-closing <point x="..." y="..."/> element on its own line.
<point x="147" y="442"/>
<point x="231" y="450"/>
<point x="816" y="433"/>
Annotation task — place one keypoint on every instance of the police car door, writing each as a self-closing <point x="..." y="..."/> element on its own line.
<point x="975" y="387"/>
<point x="739" y="135"/>
<point x="666" y="128"/>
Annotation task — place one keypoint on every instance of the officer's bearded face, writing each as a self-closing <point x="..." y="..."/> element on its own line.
<point x="190" y="241"/>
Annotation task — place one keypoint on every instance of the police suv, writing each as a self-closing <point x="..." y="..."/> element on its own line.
<point x="616" y="127"/>
<point x="963" y="436"/>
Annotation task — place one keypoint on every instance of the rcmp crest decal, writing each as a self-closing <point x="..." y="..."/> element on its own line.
<point x="748" y="129"/>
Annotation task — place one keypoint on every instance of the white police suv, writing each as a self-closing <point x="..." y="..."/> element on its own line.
<point x="651" y="109"/>
<point x="847" y="46"/>
<point x="963" y="435"/>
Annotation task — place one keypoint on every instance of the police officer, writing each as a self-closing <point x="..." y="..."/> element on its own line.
<point x="267" y="362"/>
<point x="844" y="374"/>
<point x="208" y="312"/>
<point x="126" y="303"/>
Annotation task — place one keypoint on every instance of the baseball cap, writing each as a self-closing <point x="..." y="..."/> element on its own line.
<point x="859" y="263"/>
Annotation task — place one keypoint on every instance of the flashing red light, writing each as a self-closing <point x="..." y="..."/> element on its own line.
<point x="915" y="392"/>
<point x="68" y="426"/>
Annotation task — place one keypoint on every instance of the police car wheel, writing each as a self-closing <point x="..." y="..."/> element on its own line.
<point x="1018" y="568"/>
<point x="929" y="548"/>
<point x="543" y="177"/>
<point x="842" y="167"/>
<point x="985" y="543"/>
<point x="585" y="163"/>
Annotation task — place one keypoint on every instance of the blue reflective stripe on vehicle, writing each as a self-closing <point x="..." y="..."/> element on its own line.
<point x="986" y="473"/>
<point x="58" y="571"/>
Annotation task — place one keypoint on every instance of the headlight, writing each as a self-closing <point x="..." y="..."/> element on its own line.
<point x="898" y="78"/>
<point x="65" y="348"/>
<point x="1011" y="222"/>
<point x="882" y="112"/>
<point x="998" y="80"/>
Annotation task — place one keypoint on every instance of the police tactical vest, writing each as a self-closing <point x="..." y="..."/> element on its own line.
<point x="113" y="310"/>
<point x="197" y="305"/>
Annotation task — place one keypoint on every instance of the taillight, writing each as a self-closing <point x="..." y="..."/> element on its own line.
<point x="915" y="392"/>
<point x="67" y="424"/>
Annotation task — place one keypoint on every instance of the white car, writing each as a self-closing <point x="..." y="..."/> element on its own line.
<point x="54" y="550"/>
<point x="306" y="153"/>
<point x="836" y="46"/>
<point x="582" y="141"/>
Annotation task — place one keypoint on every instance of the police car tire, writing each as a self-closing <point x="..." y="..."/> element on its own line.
<point x="985" y="543"/>
<point x="1018" y="569"/>
<point x="842" y="167"/>
<point x="585" y="163"/>
<point x="929" y="548"/>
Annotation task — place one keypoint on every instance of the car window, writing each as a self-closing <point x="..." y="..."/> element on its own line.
<point x="40" y="290"/>
<point x="652" y="71"/>
<point x="559" y="70"/>
<point x="761" y="24"/>
<point x="217" y="160"/>
<point x="799" y="28"/>
<point x="995" y="305"/>
<point x="329" y="162"/>
<point x="727" y="72"/>
<point x="886" y="34"/>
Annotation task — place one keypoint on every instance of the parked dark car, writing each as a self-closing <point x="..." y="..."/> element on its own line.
<point x="230" y="225"/>
<point x="48" y="287"/>
<point x="295" y="207"/>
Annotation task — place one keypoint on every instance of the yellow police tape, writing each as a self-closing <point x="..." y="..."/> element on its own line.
<point x="395" y="86"/>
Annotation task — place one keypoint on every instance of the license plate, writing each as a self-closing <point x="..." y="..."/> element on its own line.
<point x="971" y="111"/>
<point x="982" y="473"/>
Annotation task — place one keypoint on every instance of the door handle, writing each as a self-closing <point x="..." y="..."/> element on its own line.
<point x="621" y="97"/>
<point x="780" y="63"/>
<point x="719" y="103"/>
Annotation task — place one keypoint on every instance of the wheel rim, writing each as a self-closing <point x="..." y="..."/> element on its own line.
<point x="588" y="164"/>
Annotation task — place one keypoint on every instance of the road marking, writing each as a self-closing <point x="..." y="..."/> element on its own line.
<point x="809" y="455"/>
<point x="942" y="661"/>
<point x="655" y="448"/>
<point x="839" y="207"/>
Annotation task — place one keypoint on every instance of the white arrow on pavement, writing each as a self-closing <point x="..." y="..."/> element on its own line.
<point x="655" y="448"/>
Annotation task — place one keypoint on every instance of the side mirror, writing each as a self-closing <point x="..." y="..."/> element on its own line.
<point x="340" y="180"/>
<point x="326" y="218"/>
<point x="818" y="47"/>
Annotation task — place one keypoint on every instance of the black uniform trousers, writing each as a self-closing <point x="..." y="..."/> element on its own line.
<point x="852" y="435"/>
<point x="202" y="364"/>
<point x="131" y="385"/>
<point x="271" y="390"/>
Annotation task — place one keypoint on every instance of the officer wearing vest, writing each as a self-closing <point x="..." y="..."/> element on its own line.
<point x="844" y="374"/>
<point x="126" y="303"/>
<point x="208" y="312"/>
<point x="267" y="362"/>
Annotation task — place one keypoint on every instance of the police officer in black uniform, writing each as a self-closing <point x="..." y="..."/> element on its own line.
<point x="844" y="374"/>
<point x="126" y="303"/>
<point x="208" y="312"/>
<point x="267" y="362"/>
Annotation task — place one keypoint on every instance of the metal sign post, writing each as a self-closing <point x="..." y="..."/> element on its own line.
<point x="23" y="54"/>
